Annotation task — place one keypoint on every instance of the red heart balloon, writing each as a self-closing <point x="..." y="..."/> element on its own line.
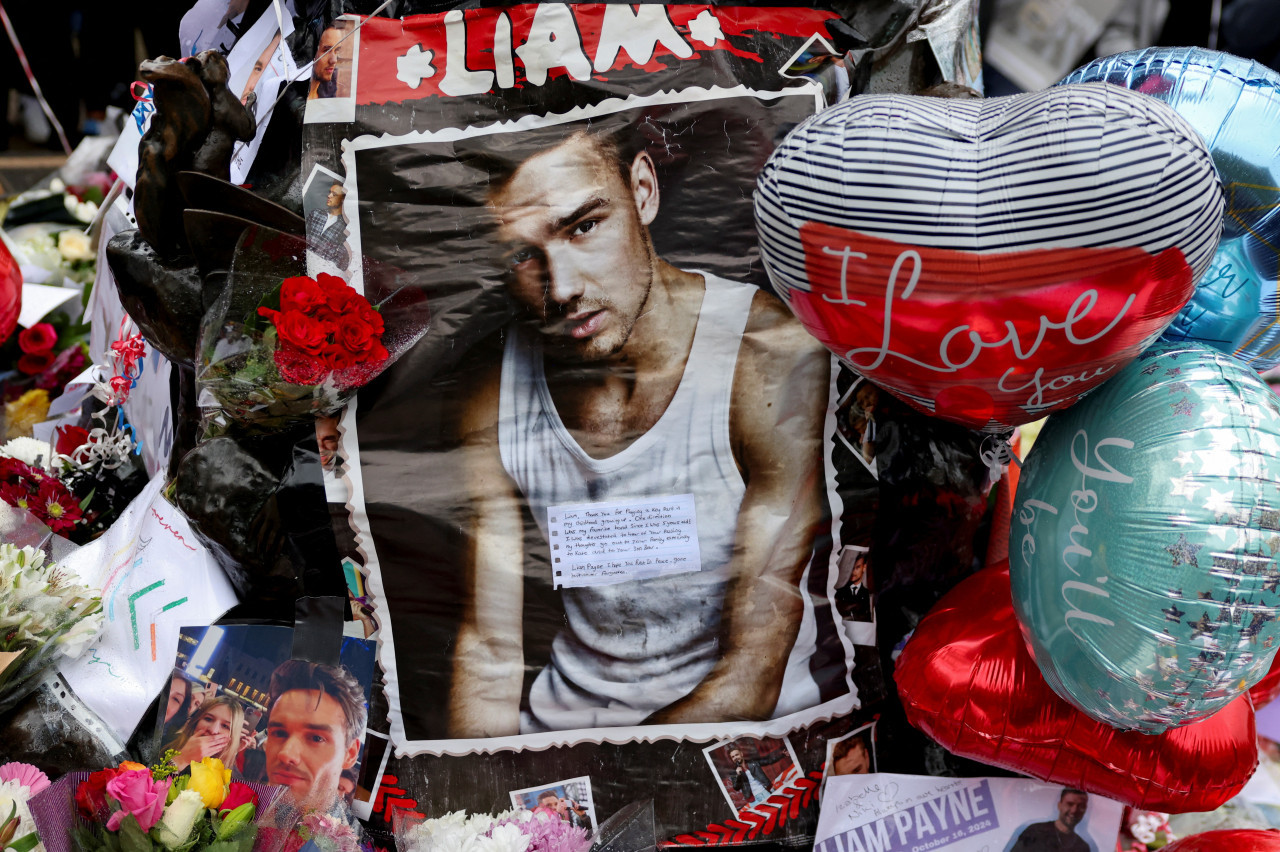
<point x="10" y="293"/>
<point x="967" y="680"/>
<point x="989" y="261"/>
<point x="1229" y="840"/>
<point x="1266" y="690"/>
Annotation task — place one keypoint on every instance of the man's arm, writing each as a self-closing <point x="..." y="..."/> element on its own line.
<point x="779" y="402"/>
<point x="488" y="662"/>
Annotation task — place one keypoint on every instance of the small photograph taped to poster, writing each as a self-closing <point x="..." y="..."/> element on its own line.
<point x="853" y="597"/>
<point x="237" y="695"/>
<point x="324" y="199"/>
<point x="856" y="425"/>
<point x="607" y="559"/>
<point x="751" y="769"/>
<point x="568" y="801"/>
<point x="852" y="754"/>
<point x="331" y="91"/>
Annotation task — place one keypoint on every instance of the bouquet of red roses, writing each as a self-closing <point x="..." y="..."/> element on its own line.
<point x="306" y="348"/>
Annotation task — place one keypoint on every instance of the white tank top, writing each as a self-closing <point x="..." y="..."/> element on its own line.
<point x="629" y="649"/>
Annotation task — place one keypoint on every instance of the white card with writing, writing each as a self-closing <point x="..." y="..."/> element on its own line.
<point x="915" y="813"/>
<point x="156" y="577"/>
<point x="601" y="544"/>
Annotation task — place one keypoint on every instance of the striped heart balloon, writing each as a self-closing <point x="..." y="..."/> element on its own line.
<point x="991" y="261"/>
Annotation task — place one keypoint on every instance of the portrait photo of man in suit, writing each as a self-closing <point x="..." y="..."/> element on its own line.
<point x="327" y="229"/>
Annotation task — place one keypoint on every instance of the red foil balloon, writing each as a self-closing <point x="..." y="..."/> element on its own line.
<point x="1266" y="690"/>
<point x="10" y="292"/>
<point x="1229" y="840"/>
<point x="967" y="680"/>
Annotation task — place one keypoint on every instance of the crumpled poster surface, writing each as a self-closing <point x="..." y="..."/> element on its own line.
<point x="616" y="516"/>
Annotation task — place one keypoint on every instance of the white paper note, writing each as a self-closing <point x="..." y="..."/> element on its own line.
<point x="38" y="301"/>
<point x="155" y="577"/>
<point x="600" y="544"/>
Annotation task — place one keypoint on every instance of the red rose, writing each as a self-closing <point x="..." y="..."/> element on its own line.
<point x="91" y="795"/>
<point x="332" y="285"/>
<point x="355" y="334"/>
<point x="70" y="439"/>
<point x="39" y="338"/>
<point x="300" y="368"/>
<point x="35" y="363"/>
<point x="309" y="335"/>
<point x="300" y="294"/>
<point x="238" y="794"/>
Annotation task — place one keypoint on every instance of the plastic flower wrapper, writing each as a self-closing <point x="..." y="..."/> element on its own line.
<point x="278" y="348"/>
<point x="44" y="616"/>
<point x="134" y="808"/>
<point x="297" y="829"/>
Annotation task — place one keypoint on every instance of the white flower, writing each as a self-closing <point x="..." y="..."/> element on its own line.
<point x="29" y="451"/>
<point x="74" y="245"/>
<point x="509" y="838"/>
<point x="81" y="635"/>
<point x="180" y="815"/>
<point x="15" y="795"/>
<point x="1144" y="826"/>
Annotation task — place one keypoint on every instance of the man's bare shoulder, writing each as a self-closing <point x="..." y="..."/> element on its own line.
<point x="774" y="335"/>
<point x="780" y="385"/>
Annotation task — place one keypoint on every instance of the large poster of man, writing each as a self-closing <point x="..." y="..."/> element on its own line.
<point x="601" y="507"/>
<point x="645" y="446"/>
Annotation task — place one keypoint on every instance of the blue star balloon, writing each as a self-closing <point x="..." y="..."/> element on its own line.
<point x="1234" y="104"/>
<point x="1144" y="540"/>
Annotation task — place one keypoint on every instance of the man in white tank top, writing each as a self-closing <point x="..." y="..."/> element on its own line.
<point x="633" y="379"/>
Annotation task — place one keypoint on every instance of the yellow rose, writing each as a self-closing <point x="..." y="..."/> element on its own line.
<point x="25" y="412"/>
<point x="74" y="245"/>
<point x="210" y="778"/>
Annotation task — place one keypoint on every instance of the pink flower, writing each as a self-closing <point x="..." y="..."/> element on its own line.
<point x="139" y="795"/>
<point x="26" y="775"/>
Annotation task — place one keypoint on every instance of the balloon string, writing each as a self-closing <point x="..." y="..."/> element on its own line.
<point x="997" y="453"/>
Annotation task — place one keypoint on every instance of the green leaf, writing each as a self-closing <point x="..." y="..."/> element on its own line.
<point x="84" y="504"/>
<point x="132" y="837"/>
<point x="270" y="300"/>
<point x="25" y="844"/>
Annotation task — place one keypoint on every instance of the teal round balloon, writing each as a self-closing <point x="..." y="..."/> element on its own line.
<point x="1143" y="547"/>
<point x="1234" y="104"/>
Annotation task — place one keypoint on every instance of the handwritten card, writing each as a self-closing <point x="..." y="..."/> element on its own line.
<point x="912" y="813"/>
<point x="601" y="544"/>
<point x="155" y="577"/>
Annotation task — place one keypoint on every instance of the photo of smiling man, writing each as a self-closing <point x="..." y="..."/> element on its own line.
<point x="314" y="727"/>
<point x="1059" y="834"/>
<point x="627" y="378"/>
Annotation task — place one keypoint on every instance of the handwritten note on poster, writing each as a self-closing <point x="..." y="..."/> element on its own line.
<point x="155" y="578"/>
<point x="600" y="544"/>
